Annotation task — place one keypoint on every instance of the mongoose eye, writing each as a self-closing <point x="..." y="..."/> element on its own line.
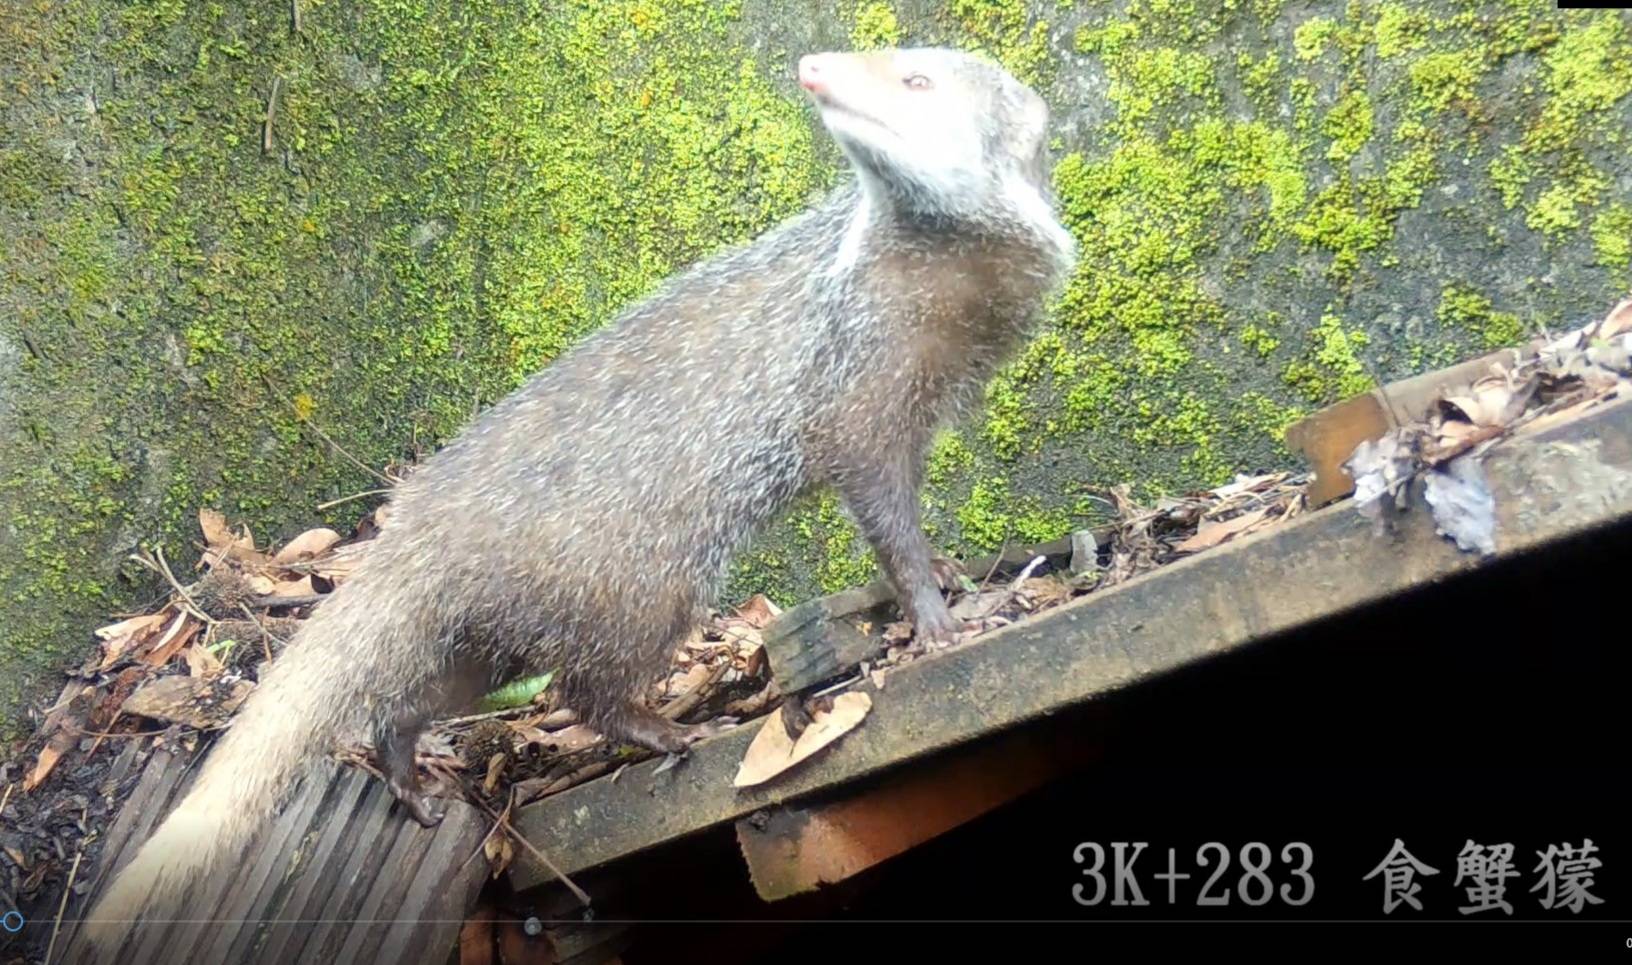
<point x="917" y="82"/>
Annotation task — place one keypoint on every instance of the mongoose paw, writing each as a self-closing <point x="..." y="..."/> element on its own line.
<point x="948" y="573"/>
<point x="937" y="628"/>
<point x="428" y="811"/>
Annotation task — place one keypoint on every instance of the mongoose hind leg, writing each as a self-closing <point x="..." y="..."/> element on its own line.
<point x="394" y="745"/>
<point x="397" y="736"/>
<point x="642" y="727"/>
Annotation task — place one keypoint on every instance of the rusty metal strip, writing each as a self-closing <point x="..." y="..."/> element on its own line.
<point x="1569" y="479"/>
<point x="794" y="850"/>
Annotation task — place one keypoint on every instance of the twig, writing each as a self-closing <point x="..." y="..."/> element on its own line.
<point x="346" y="499"/>
<point x="163" y="569"/>
<point x="688" y="701"/>
<point x="294" y="14"/>
<point x="473" y="718"/>
<point x="266" y="636"/>
<point x="271" y="600"/>
<point x="577" y="777"/>
<point x="5" y="798"/>
<point x="98" y="742"/>
<point x="996" y="562"/>
<point x="382" y="477"/>
<point x="858" y="678"/>
<point x="101" y="734"/>
<point x="271" y="111"/>
<point x="1014" y="587"/>
<point x="579" y="893"/>
<point x="67" y="890"/>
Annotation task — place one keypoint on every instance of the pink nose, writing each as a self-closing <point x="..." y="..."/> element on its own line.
<point x="811" y="76"/>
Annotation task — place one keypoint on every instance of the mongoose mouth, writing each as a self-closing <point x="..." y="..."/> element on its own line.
<point x="817" y="80"/>
<point x="845" y="113"/>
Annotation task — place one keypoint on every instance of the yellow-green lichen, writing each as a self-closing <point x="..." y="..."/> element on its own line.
<point x="875" y="27"/>
<point x="1467" y="309"/>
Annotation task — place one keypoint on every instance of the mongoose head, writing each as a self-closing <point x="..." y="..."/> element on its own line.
<point x="933" y="131"/>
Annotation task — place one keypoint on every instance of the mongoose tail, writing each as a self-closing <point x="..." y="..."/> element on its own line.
<point x="305" y="697"/>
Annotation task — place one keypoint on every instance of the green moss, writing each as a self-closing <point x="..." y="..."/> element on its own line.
<point x="875" y="27"/>
<point x="1006" y="31"/>
<point x="1348" y="125"/>
<point x="1399" y="30"/>
<point x="1332" y="369"/>
<point x="1259" y="340"/>
<point x="1510" y="173"/>
<point x="1310" y="38"/>
<point x="1467" y="309"/>
<point x="984" y="517"/>
<point x="1612" y="236"/>
<point x="1554" y="212"/>
<point x="1005" y="417"/>
<point x="1444" y="78"/>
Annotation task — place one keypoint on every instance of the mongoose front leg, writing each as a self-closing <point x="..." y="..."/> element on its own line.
<point x="883" y="498"/>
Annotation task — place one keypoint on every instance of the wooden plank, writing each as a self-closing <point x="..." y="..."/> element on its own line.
<point x="257" y="880"/>
<point x="446" y="882"/>
<point x="160" y="771"/>
<point x="290" y="924"/>
<point x="340" y="851"/>
<point x="347" y="888"/>
<point x="380" y="909"/>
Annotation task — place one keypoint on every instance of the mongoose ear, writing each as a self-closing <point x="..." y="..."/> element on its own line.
<point x="1030" y="144"/>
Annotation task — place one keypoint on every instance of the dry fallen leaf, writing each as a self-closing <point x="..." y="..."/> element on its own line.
<point x="696" y="676"/>
<point x="313" y="542"/>
<point x="1213" y="532"/>
<point x="1462" y="505"/>
<point x="200" y="662"/>
<point x="300" y="587"/>
<point x="567" y="740"/>
<point x="495" y="770"/>
<point x="187" y="700"/>
<point x="774" y="751"/>
<point x="220" y="538"/>
<point x="499" y="852"/>
<point x="759" y="611"/>
<point x="175" y="637"/>
<point x="120" y="638"/>
<point x="42" y="767"/>
<point x="1618" y="321"/>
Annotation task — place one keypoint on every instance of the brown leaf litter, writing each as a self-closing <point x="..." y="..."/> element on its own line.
<point x="1562" y="379"/>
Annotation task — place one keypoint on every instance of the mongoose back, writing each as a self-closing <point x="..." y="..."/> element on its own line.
<point x="584" y="522"/>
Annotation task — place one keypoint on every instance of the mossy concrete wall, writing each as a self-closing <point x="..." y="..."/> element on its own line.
<point x="1277" y="201"/>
